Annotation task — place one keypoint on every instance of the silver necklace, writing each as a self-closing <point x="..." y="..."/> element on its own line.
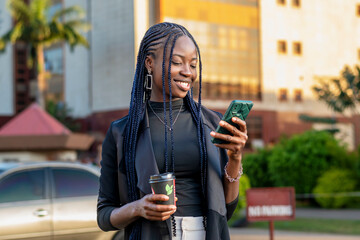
<point x="163" y="121"/>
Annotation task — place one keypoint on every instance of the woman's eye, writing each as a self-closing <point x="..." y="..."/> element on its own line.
<point x="193" y="66"/>
<point x="176" y="63"/>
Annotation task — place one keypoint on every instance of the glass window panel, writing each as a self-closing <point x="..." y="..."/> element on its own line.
<point x="23" y="186"/>
<point x="54" y="60"/>
<point x="230" y="53"/>
<point x="75" y="183"/>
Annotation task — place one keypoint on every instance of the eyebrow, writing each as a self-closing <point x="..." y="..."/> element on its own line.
<point x="179" y="55"/>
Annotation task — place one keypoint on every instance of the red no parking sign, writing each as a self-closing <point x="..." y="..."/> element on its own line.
<point x="270" y="204"/>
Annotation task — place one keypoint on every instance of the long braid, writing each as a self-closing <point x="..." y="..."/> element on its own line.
<point x="171" y="123"/>
<point x="170" y="102"/>
<point x="200" y="126"/>
<point x="166" y="157"/>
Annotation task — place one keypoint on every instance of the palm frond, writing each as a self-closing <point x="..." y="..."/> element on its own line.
<point x="68" y="12"/>
<point x="81" y="40"/>
<point x="17" y="32"/>
<point x="19" y="10"/>
<point x="38" y="9"/>
<point x="357" y="84"/>
<point x="349" y="76"/>
<point x="80" y="25"/>
<point x="4" y="40"/>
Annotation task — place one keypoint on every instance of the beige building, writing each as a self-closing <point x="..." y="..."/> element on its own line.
<point x="272" y="52"/>
<point x="269" y="51"/>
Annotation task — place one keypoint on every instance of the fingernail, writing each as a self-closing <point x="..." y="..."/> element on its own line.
<point x="234" y="119"/>
<point x="221" y="123"/>
<point x="212" y="133"/>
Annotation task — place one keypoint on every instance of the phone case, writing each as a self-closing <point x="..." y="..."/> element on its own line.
<point x="237" y="108"/>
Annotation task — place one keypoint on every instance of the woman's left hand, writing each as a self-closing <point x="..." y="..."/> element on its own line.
<point x="236" y="142"/>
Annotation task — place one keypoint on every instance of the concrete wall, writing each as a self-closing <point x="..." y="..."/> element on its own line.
<point x="329" y="32"/>
<point x="100" y="79"/>
<point x="77" y="71"/>
<point x="6" y="66"/>
<point x="112" y="54"/>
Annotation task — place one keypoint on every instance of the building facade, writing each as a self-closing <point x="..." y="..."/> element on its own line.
<point x="269" y="51"/>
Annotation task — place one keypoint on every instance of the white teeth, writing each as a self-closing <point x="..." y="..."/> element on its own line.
<point x="185" y="84"/>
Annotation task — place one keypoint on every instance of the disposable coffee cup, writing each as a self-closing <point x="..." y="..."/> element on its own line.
<point x="163" y="184"/>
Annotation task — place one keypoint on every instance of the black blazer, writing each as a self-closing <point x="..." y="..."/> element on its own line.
<point x="113" y="186"/>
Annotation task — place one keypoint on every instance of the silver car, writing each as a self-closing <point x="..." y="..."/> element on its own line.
<point x="50" y="200"/>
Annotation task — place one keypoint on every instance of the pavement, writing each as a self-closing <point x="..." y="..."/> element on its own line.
<point x="263" y="234"/>
<point x="343" y="214"/>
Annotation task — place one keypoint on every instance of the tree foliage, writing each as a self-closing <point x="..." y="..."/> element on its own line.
<point x="340" y="93"/>
<point x="332" y="187"/>
<point x="300" y="160"/>
<point x="257" y="168"/>
<point x="34" y="27"/>
<point x="62" y="113"/>
<point x="244" y="184"/>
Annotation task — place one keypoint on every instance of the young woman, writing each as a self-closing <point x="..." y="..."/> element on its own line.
<point x="167" y="131"/>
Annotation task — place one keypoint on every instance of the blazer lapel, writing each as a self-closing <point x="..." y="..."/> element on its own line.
<point x="145" y="163"/>
<point x="215" y="196"/>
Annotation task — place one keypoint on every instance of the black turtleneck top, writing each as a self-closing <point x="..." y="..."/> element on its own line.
<point x="185" y="152"/>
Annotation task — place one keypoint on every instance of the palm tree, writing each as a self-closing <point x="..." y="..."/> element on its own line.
<point x="35" y="28"/>
<point x="341" y="93"/>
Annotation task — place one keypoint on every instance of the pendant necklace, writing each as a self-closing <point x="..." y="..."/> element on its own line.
<point x="162" y="120"/>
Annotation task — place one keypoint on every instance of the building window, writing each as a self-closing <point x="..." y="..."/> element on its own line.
<point x="283" y="95"/>
<point x="230" y="49"/>
<point x="254" y="126"/>
<point x="281" y="2"/>
<point x="298" y="95"/>
<point x="282" y="47"/>
<point x="358" y="10"/>
<point x="54" y="64"/>
<point x="296" y="3"/>
<point x="297" y="50"/>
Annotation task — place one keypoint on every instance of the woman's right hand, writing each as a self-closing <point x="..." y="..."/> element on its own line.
<point x="147" y="207"/>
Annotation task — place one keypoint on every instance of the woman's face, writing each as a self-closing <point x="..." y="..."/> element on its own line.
<point x="183" y="70"/>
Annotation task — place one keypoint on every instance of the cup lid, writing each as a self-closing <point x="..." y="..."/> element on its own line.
<point x="163" y="176"/>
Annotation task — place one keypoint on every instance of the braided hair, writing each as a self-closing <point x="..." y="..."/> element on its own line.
<point x="160" y="35"/>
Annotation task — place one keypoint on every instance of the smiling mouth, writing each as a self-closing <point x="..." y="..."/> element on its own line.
<point x="185" y="86"/>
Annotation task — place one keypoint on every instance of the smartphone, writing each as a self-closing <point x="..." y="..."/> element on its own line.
<point x="237" y="108"/>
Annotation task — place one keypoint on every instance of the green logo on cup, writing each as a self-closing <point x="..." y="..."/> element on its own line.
<point x="169" y="189"/>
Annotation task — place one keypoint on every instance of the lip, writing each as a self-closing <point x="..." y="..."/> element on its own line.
<point x="184" y="85"/>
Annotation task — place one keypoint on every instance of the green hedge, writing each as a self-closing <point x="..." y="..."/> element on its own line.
<point x="298" y="161"/>
<point x="244" y="184"/>
<point x="301" y="159"/>
<point x="256" y="167"/>
<point x="332" y="182"/>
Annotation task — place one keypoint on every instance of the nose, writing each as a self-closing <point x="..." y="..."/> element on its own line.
<point x="186" y="71"/>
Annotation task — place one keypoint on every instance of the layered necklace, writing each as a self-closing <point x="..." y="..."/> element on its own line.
<point x="157" y="116"/>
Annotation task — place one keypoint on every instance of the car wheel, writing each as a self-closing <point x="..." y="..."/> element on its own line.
<point x="119" y="235"/>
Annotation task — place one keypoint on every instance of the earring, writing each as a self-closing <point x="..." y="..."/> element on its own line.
<point x="148" y="85"/>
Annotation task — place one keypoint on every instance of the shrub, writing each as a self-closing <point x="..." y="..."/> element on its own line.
<point x="335" y="181"/>
<point x="244" y="184"/>
<point x="301" y="159"/>
<point x="256" y="167"/>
